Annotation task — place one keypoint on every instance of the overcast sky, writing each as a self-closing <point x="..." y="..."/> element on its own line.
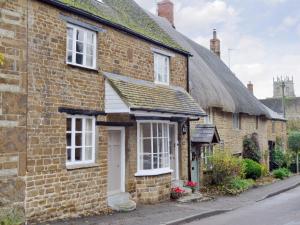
<point x="264" y="36"/>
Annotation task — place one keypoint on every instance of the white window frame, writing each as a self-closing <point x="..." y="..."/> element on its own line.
<point x="84" y="65"/>
<point x="157" y="171"/>
<point x="73" y="135"/>
<point x="157" y="57"/>
<point x="209" y="118"/>
<point x="236" y="123"/>
<point x="207" y="153"/>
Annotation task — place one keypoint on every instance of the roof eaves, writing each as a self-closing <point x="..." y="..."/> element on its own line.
<point x="112" y="24"/>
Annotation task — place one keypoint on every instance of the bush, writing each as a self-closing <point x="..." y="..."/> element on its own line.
<point x="225" y="167"/>
<point x="251" y="148"/>
<point x="253" y="170"/>
<point x="281" y="173"/>
<point x="12" y="217"/>
<point x="238" y="185"/>
<point x="264" y="171"/>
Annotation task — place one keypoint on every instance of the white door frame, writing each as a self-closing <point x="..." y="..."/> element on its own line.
<point x="176" y="150"/>
<point x="122" y="167"/>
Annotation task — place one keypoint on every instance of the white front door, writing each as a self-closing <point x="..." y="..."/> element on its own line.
<point x="116" y="160"/>
<point x="174" y="151"/>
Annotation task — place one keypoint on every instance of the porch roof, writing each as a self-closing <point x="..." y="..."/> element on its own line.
<point x="146" y="96"/>
<point x="205" y="134"/>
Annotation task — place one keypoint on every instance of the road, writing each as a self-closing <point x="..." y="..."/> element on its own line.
<point x="283" y="209"/>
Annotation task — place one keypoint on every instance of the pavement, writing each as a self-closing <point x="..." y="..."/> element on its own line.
<point x="283" y="209"/>
<point x="172" y="213"/>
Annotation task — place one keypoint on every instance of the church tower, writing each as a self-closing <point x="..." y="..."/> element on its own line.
<point x="288" y="85"/>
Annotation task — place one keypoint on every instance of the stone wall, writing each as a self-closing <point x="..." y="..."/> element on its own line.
<point x="153" y="189"/>
<point x="52" y="190"/>
<point x="13" y="92"/>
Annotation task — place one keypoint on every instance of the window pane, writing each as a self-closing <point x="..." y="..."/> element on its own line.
<point x="78" y="124"/>
<point x="155" y="146"/>
<point x="68" y="137"/>
<point x="79" y="59"/>
<point x="78" y="141"/>
<point x="88" y="153"/>
<point x="89" y="50"/>
<point x="146" y="130"/>
<point x="147" y="162"/>
<point x="154" y="125"/>
<point x="162" y="161"/>
<point x="70" y="32"/>
<point x="165" y="144"/>
<point x="70" y="44"/>
<point x="90" y="37"/>
<point x="68" y="154"/>
<point x="69" y="124"/>
<point x="155" y="161"/>
<point x="79" y="35"/>
<point x="89" y="125"/>
<point x="146" y="148"/>
<point x="159" y="130"/>
<point x="89" y="61"/>
<point x="88" y="139"/>
<point x="160" y="145"/>
<point x="79" y="47"/>
<point x="70" y="56"/>
<point x="78" y="154"/>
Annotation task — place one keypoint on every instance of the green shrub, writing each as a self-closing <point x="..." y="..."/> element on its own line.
<point x="12" y="217"/>
<point x="251" y="148"/>
<point x="281" y="173"/>
<point x="238" y="185"/>
<point x="253" y="170"/>
<point x="264" y="171"/>
<point x="225" y="167"/>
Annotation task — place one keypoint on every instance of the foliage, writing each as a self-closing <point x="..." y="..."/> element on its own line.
<point x="1" y="59"/>
<point x="294" y="145"/>
<point x="238" y="185"/>
<point x="264" y="171"/>
<point x="176" y="193"/>
<point x="253" y="169"/>
<point x="281" y="173"/>
<point x="277" y="157"/>
<point x="225" y="167"/>
<point x="251" y="148"/>
<point x="13" y="217"/>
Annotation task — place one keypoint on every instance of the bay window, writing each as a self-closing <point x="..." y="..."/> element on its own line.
<point x="80" y="138"/>
<point x="153" y="146"/>
<point x="81" y="46"/>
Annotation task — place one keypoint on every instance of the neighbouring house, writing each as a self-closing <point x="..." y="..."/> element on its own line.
<point x="290" y="105"/>
<point x="94" y="105"/>
<point x="231" y="108"/>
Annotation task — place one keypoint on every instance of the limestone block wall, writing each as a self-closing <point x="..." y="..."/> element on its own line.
<point x="13" y="92"/>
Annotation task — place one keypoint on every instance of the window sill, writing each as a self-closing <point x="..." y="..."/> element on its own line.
<point x="82" y="166"/>
<point x="156" y="172"/>
<point x="82" y="67"/>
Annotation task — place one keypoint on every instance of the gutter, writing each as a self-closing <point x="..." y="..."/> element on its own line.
<point x="188" y="121"/>
<point x="80" y="12"/>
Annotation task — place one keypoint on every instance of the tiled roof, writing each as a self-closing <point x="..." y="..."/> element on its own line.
<point x="126" y="14"/>
<point x="148" y="96"/>
<point x="205" y="134"/>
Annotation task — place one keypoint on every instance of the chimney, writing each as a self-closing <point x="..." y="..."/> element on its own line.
<point x="215" y="44"/>
<point x="250" y="87"/>
<point x="165" y="8"/>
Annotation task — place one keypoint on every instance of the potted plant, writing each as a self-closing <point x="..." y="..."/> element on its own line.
<point x="192" y="185"/>
<point x="176" y="193"/>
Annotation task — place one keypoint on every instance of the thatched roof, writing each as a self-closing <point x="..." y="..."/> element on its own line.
<point x="212" y="83"/>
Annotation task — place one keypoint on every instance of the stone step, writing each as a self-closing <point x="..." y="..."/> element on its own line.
<point x="121" y="202"/>
<point x="194" y="197"/>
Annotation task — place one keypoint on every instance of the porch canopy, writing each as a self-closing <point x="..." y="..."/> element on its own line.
<point x="143" y="98"/>
<point x="205" y="134"/>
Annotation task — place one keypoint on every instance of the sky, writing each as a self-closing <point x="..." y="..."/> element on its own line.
<point x="260" y="39"/>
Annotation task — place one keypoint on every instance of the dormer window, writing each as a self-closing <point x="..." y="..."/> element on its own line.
<point x="81" y="47"/>
<point x="161" y="69"/>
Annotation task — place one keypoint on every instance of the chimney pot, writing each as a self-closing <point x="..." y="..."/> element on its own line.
<point x="165" y="8"/>
<point x="215" y="44"/>
<point x="250" y="87"/>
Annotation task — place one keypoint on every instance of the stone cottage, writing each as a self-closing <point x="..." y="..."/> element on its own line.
<point x="93" y="105"/>
<point x="233" y="112"/>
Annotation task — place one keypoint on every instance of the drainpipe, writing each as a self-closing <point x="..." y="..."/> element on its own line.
<point x="188" y="120"/>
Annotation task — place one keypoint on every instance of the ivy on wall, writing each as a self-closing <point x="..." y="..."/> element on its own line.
<point x="1" y="59"/>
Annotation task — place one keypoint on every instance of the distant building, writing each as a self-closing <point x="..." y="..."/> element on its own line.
<point x="289" y="90"/>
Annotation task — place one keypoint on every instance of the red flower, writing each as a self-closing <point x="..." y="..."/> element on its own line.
<point x="191" y="184"/>
<point x="177" y="190"/>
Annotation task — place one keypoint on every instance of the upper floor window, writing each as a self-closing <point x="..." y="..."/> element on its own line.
<point x="257" y="122"/>
<point x="161" y="68"/>
<point x="236" y="121"/>
<point x="81" y="47"/>
<point x="80" y="138"/>
<point x="209" y="118"/>
<point x="273" y="126"/>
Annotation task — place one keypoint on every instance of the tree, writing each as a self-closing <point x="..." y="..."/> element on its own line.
<point x="294" y="145"/>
